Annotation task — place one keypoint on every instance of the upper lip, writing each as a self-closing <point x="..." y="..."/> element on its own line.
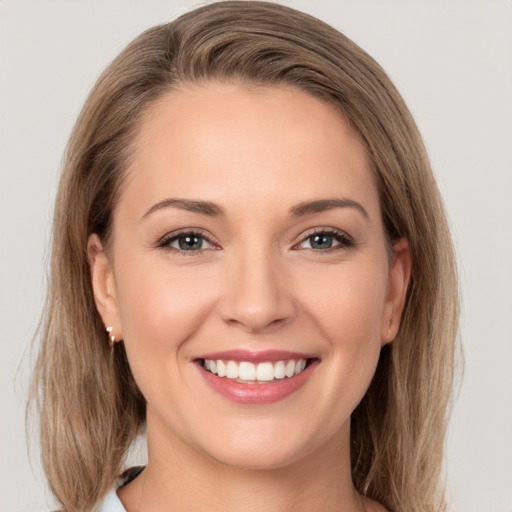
<point x="255" y="356"/>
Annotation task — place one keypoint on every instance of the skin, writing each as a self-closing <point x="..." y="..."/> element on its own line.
<point x="259" y="284"/>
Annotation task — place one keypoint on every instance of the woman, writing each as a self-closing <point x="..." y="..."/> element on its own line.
<point x="251" y="261"/>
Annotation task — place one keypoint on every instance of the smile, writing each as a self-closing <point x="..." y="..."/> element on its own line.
<point x="256" y="378"/>
<point x="251" y="373"/>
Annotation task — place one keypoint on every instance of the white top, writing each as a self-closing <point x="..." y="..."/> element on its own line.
<point x="111" y="503"/>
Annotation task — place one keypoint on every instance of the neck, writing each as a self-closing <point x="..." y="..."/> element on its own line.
<point x="179" y="477"/>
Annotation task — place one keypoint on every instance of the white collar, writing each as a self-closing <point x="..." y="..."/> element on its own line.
<point x="111" y="503"/>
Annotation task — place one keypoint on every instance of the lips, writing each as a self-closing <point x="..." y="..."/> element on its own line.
<point x="251" y="377"/>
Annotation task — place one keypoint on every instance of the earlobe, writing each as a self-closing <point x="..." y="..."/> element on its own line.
<point x="399" y="276"/>
<point x="103" y="285"/>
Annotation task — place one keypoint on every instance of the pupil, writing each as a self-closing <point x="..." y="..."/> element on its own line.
<point x="188" y="243"/>
<point x="322" y="242"/>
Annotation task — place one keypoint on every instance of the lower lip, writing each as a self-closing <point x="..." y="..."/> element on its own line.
<point x="257" y="394"/>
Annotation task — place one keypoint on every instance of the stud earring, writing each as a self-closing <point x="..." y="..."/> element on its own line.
<point x="389" y="328"/>
<point x="111" y="337"/>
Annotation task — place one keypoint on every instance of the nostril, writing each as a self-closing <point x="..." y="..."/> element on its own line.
<point x="257" y="322"/>
<point x="256" y="298"/>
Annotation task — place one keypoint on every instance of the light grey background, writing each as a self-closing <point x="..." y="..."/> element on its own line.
<point x="451" y="59"/>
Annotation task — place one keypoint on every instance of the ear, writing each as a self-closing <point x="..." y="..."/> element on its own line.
<point x="398" y="281"/>
<point x="103" y="285"/>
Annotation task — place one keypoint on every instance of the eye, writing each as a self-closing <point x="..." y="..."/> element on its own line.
<point x="189" y="241"/>
<point x="324" y="240"/>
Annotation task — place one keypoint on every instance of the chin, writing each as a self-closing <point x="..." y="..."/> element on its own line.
<point x="257" y="457"/>
<point x="268" y="444"/>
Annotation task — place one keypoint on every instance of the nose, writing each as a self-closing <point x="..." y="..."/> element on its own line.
<point x="258" y="294"/>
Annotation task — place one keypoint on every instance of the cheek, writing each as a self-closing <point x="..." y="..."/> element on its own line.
<point x="347" y="303"/>
<point x="345" y="306"/>
<point x="160" y="309"/>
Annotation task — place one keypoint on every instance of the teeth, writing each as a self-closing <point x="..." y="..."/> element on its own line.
<point x="265" y="372"/>
<point x="300" y="365"/>
<point x="246" y="371"/>
<point x="279" y="370"/>
<point x="289" y="370"/>
<point x="221" y="369"/>
<point x="262" y="372"/>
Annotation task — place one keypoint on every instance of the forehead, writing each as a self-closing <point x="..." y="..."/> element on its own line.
<point x="223" y="142"/>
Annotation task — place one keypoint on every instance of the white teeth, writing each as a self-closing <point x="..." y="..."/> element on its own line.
<point x="265" y="372"/>
<point x="247" y="371"/>
<point x="221" y="369"/>
<point x="290" y="369"/>
<point x="232" y="370"/>
<point x="279" y="370"/>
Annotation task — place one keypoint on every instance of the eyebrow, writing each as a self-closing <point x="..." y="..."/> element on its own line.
<point x="214" y="210"/>
<point x="322" y="205"/>
<point x="202" y="207"/>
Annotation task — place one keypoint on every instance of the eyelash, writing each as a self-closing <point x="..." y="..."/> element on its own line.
<point x="345" y="241"/>
<point x="167" y="240"/>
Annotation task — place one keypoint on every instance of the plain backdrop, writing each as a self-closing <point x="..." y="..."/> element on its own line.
<point x="452" y="61"/>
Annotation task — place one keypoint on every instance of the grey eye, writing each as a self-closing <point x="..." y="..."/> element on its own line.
<point x="325" y="240"/>
<point x="186" y="241"/>
<point x="321" y="241"/>
<point x="189" y="242"/>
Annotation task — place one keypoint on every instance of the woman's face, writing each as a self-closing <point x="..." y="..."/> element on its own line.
<point x="248" y="235"/>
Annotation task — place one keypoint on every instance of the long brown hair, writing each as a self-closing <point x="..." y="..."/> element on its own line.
<point x="90" y="406"/>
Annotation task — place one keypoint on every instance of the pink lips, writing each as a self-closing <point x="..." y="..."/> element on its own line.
<point x="254" y="356"/>
<point x="256" y="393"/>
